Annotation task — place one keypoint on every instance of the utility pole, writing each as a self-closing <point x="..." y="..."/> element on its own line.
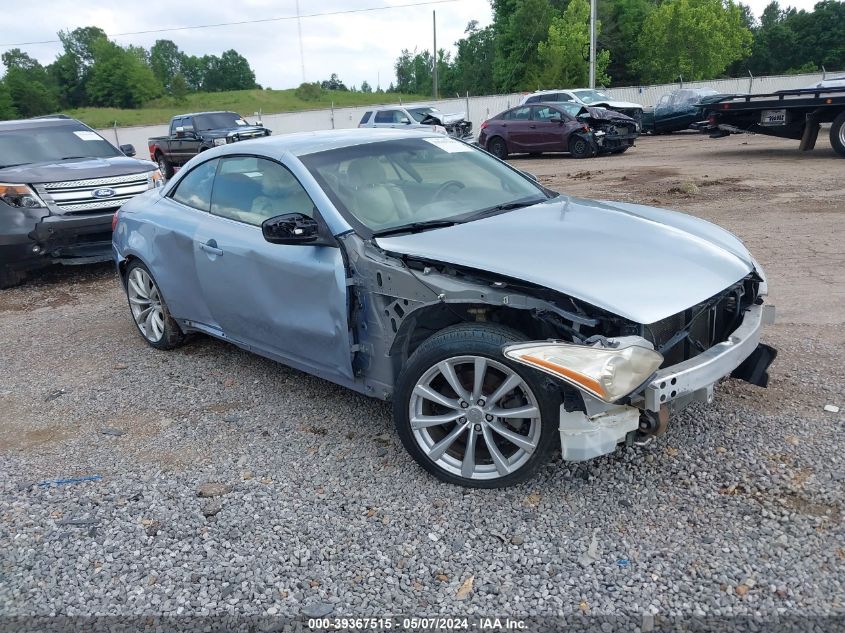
<point x="592" y="43"/>
<point x="301" y="50"/>
<point x="434" y="62"/>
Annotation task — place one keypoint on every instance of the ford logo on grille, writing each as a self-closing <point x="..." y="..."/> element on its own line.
<point x="105" y="192"/>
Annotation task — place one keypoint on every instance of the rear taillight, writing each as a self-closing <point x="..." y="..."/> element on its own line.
<point x="712" y="119"/>
<point x="484" y="125"/>
<point x="114" y="221"/>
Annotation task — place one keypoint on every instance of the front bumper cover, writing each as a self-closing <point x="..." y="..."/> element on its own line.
<point x="697" y="375"/>
<point x="57" y="239"/>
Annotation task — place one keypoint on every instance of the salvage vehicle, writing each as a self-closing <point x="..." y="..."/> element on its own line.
<point x="191" y="134"/>
<point x="60" y="184"/>
<point x="793" y="114"/>
<point x="679" y="109"/>
<point x="419" y="117"/>
<point x="582" y="131"/>
<point x="587" y="97"/>
<point x="501" y="319"/>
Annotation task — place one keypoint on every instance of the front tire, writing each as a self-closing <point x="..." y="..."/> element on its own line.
<point x="837" y="134"/>
<point x="470" y="416"/>
<point x="9" y="278"/>
<point x="579" y="147"/>
<point x="149" y="310"/>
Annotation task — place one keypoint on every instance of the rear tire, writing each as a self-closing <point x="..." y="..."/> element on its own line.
<point x="165" y="166"/>
<point x="450" y="408"/>
<point x="498" y="147"/>
<point x="837" y="134"/>
<point x="149" y="310"/>
<point x="579" y="147"/>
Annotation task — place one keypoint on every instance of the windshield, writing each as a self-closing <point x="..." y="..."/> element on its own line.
<point x="218" y="121"/>
<point x="22" y="146"/>
<point x="590" y="96"/>
<point x="420" y="113"/>
<point x="399" y="183"/>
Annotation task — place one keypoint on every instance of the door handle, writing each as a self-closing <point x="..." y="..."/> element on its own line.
<point x="533" y="127"/>
<point x="211" y="247"/>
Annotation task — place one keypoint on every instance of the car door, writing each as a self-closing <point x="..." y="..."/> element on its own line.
<point x="178" y="216"/>
<point x="520" y="131"/>
<point x="391" y="118"/>
<point x="548" y="129"/>
<point x="191" y="140"/>
<point x="287" y="302"/>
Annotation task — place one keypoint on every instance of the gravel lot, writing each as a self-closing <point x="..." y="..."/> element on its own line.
<point x="737" y="510"/>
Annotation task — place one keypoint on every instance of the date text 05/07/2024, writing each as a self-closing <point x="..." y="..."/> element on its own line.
<point x="441" y="623"/>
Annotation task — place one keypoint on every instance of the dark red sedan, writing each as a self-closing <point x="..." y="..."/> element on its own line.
<point x="560" y="127"/>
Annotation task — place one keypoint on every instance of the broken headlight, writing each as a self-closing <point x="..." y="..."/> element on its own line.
<point x="20" y="196"/>
<point x="605" y="372"/>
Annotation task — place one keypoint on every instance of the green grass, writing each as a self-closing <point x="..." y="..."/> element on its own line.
<point x="244" y="102"/>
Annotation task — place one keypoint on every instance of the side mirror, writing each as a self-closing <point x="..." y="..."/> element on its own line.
<point x="180" y="132"/>
<point x="406" y="121"/>
<point x="556" y="119"/>
<point x="290" y="228"/>
<point x="128" y="150"/>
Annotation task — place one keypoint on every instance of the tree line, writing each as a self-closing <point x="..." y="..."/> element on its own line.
<point x="535" y="44"/>
<point x="94" y="71"/>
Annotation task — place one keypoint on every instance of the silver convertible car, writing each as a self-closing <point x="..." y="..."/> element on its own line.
<point x="503" y="320"/>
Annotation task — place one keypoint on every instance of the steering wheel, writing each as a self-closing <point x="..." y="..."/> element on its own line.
<point x="442" y="189"/>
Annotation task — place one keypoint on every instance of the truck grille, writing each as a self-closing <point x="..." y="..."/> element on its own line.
<point x="76" y="197"/>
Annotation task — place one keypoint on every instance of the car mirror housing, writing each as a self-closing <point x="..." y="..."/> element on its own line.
<point x="128" y="150"/>
<point x="290" y="228"/>
<point x="556" y="119"/>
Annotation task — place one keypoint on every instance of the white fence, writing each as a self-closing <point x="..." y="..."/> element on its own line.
<point x="478" y="108"/>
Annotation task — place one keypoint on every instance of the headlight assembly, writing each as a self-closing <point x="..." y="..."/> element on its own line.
<point x="219" y="141"/>
<point x="604" y="372"/>
<point x="20" y="196"/>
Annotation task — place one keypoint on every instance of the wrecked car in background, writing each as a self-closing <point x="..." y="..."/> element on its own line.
<point x="419" y="117"/>
<point x="60" y="184"/>
<point x="501" y="319"/>
<point x="679" y="109"/>
<point x="582" y="131"/>
<point x="586" y="97"/>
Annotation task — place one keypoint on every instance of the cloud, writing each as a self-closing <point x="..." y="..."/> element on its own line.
<point x="357" y="46"/>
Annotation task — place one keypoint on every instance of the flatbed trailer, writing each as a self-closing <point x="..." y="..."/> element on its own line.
<point x="795" y="114"/>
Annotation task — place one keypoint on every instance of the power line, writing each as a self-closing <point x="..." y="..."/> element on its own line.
<point x="242" y="22"/>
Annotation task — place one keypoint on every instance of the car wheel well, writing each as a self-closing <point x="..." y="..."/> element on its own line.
<point x="123" y="265"/>
<point x="428" y="320"/>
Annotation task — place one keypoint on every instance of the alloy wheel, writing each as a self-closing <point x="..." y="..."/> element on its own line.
<point x="145" y="303"/>
<point x="475" y="417"/>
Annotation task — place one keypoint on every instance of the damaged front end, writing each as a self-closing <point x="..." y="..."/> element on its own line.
<point x="456" y="125"/>
<point x="611" y="132"/>
<point x="633" y="383"/>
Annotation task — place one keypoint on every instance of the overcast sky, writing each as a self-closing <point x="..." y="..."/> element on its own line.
<point x="357" y="47"/>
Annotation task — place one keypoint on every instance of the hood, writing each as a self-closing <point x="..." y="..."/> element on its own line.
<point x="231" y="131"/>
<point x="82" y="169"/>
<point x="603" y="114"/>
<point x="444" y="119"/>
<point x="638" y="262"/>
